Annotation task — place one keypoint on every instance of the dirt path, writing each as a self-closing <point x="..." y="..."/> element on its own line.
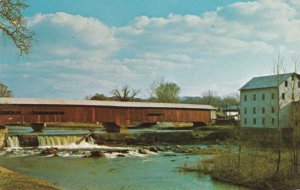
<point x="14" y="180"/>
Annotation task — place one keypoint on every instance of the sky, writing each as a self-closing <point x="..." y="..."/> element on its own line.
<point x="85" y="47"/>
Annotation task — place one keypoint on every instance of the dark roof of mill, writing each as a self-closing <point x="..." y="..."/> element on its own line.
<point x="34" y="101"/>
<point x="269" y="81"/>
<point x="231" y="108"/>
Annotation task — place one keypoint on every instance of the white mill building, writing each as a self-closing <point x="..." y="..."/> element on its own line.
<point x="267" y="100"/>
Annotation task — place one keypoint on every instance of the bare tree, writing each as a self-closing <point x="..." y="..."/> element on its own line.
<point x="210" y="97"/>
<point x="13" y="25"/>
<point x="278" y="67"/>
<point x="125" y="93"/>
<point x="154" y="85"/>
<point x="295" y="97"/>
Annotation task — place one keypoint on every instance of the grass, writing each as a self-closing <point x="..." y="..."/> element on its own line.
<point x="256" y="170"/>
<point x="15" y="180"/>
<point x="215" y="127"/>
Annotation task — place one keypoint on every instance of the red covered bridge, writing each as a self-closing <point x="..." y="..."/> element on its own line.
<point x="112" y="114"/>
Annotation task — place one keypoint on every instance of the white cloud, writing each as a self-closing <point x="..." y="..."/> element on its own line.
<point x="191" y="34"/>
<point x="74" y="36"/>
<point x="73" y="53"/>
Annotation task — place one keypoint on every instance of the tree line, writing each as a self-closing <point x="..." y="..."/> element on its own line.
<point x="159" y="91"/>
<point x="167" y="92"/>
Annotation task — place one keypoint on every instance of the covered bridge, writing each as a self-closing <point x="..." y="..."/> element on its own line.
<point x="112" y="114"/>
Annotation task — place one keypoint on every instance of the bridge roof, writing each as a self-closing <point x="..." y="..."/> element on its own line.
<point x="33" y="101"/>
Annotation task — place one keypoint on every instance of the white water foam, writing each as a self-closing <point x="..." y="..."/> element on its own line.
<point x="13" y="143"/>
<point x="70" y="142"/>
<point x="131" y="153"/>
<point x="68" y="146"/>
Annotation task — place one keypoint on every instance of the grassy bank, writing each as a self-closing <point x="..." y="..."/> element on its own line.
<point x="254" y="168"/>
<point x="15" y="180"/>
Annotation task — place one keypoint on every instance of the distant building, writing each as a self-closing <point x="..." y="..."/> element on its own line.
<point x="231" y="112"/>
<point x="262" y="98"/>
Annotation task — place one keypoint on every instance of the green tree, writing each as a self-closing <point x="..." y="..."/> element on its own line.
<point x="167" y="92"/>
<point x="4" y="92"/>
<point x="98" y="97"/>
<point x="13" y="25"/>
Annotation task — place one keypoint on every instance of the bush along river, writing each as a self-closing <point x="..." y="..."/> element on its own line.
<point x="73" y="160"/>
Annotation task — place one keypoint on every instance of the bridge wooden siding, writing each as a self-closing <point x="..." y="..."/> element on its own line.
<point x="14" y="110"/>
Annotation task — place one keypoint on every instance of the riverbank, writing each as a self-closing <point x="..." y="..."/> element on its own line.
<point x="14" y="180"/>
<point x="254" y="168"/>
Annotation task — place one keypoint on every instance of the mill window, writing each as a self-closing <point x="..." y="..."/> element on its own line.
<point x="273" y="109"/>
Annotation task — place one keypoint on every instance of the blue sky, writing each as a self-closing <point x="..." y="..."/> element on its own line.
<point x="121" y="12"/>
<point x="85" y="47"/>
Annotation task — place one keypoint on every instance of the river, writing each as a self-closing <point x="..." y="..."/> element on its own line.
<point x="70" y="170"/>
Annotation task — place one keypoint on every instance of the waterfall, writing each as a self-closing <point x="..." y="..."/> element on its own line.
<point x="90" y="140"/>
<point x="13" y="142"/>
<point x="64" y="141"/>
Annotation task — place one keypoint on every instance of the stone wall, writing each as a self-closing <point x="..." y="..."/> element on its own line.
<point x="3" y="135"/>
<point x="181" y="137"/>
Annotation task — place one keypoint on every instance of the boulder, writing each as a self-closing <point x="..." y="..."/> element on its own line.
<point x="96" y="154"/>
<point x="122" y="151"/>
<point x="142" y="151"/>
<point x="49" y="151"/>
<point x="153" y="149"/>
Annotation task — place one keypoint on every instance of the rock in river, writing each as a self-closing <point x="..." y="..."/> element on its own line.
<point x="142" y="151"/>
<point x="49" y="151"/>
<point x="94" y="154"/>
<point x="153" y="149"/>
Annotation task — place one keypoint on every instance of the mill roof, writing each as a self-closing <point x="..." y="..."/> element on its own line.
<point x="269" y="81"/>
